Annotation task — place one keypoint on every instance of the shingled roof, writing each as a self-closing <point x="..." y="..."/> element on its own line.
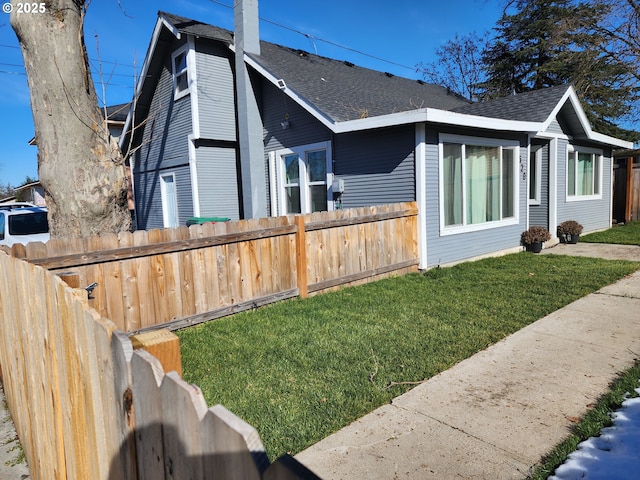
<point x="534" y="106"/>
<point x="339" y="89"/>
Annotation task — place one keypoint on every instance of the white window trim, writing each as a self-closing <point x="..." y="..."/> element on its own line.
<point x="163" y="194"/>
<point x="572" y="151"/>
<point x="189" y="69"/>
<point x="281" y="174"/>
<point x="538" y="173"/>
<point x="479" y="141"/>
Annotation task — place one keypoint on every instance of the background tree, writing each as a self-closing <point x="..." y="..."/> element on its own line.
<point x="459" y="65"/>
<point x="79" y="165"/>
<point x="554" y="42"/>
<point x="621" y="28"/>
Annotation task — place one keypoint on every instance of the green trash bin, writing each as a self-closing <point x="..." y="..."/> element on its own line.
<point x="201" y="220"/>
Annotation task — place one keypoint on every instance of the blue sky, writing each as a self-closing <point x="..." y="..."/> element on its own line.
<point x="403" y="32"/>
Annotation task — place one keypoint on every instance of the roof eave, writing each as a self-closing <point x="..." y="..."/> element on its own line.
<point x="161" y="23"/>
<point x="589" y="134"/>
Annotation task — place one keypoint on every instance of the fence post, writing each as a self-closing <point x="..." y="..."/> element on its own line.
<point x="162" y="344"/>
<point x="70" y="278"/>
<point x="301" y="257"/>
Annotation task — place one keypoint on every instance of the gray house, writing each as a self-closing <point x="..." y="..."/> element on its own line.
<point x="225" y="125"/>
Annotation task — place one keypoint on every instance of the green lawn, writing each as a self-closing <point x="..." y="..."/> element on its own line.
<point x="301" y="369"/>
<point x="628" y="234"/>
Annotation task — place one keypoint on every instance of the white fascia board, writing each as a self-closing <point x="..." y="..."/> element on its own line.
<point x="326" y="121"/>
<point x="615" y="142"/>
<point x="464" y="120"/>
<point x="572" y="96"/>
<point x="433" y="115"/>
<point x="160" y="24"/>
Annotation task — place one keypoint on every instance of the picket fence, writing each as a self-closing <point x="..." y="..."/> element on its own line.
<point x="86" y="406"/>
<point x="173" y="278"/>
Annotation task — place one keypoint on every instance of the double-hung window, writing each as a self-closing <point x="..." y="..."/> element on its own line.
<point x="584" y="173"/>
<point x="479" y="183"/>
<point x="180" y="71"/>
<point x="303" y="178"/>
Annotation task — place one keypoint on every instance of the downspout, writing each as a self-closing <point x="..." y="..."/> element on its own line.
<point x="421" y="195"/>
<point x="250" y="128"/>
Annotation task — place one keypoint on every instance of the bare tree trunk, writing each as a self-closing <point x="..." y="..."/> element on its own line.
<point x="79" y="164"/>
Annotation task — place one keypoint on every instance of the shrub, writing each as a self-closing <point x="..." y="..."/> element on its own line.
<point x="535" y="235"/>
<point x="569" y="227"/>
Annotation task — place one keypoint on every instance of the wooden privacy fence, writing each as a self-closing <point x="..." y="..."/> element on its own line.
<point x="176" y="278"/>
<point x="86" y="406"/>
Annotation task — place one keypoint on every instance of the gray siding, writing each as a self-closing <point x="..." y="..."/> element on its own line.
<point x="216" y="95"/>
<point x="592" y="214"/>
<point x="166" y="131"/>
<point x="554" y="127"/>
<point x="454" y="248"/>
<point x="217" y="182"/>
<point x="377" y="166"/>
<point x="303" y="128"/>
<point x="164" y="148"/>
<point x="539" y="214"/>
<point x="149" y="207"/>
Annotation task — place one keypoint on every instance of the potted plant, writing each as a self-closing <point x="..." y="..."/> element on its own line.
<point x="534" y="237"/>
<point x="569" y="231"/>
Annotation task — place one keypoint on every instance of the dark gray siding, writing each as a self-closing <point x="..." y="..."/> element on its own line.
<point x="454" y="248"/>
<point x="216" y="96"/>
<point x="539" y="214"/>
<point x="217" y="182"/>
<point x="377" y="166"/>
<point x="303" y="128"/>
<point x="166" y="131"/>
<point x="164" y="149"/>
<point x="149" y="206"/>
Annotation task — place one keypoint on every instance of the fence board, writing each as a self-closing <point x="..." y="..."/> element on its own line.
<point x="183" y="407"/>
<point x="232" y="447"/>
<point x="86" y="406"/>
<point x="161" y="276"/>
<point x="147" y="374"/>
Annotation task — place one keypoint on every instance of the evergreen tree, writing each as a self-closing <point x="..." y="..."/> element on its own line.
<point x="544" y="43"/>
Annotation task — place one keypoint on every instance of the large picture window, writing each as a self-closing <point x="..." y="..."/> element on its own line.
<point x="303" y="179"/>
<point x="583" y="173"/>
<point x="479" y="183"/>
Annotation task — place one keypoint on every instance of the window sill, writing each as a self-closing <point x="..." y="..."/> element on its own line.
<point x="458" y="229"/>
<point x="583" y="198"/>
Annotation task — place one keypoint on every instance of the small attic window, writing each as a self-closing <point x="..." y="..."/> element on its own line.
<point x="179" y="65"/>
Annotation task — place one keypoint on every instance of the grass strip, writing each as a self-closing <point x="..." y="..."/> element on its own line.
<point x="628" y="234"/>
<point x="301" y="369"/>
<point x="590" y="425"/>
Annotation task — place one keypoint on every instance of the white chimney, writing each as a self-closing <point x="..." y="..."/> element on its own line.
<point x="247" y="30"/>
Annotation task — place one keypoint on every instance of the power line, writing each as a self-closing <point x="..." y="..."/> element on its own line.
<point x="329" y="42"/>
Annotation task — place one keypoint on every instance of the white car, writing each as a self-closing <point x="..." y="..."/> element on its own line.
<point x="21" y="223"/>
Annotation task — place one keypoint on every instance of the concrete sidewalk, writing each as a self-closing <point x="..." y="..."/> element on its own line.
<point x="497" y="413"/>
